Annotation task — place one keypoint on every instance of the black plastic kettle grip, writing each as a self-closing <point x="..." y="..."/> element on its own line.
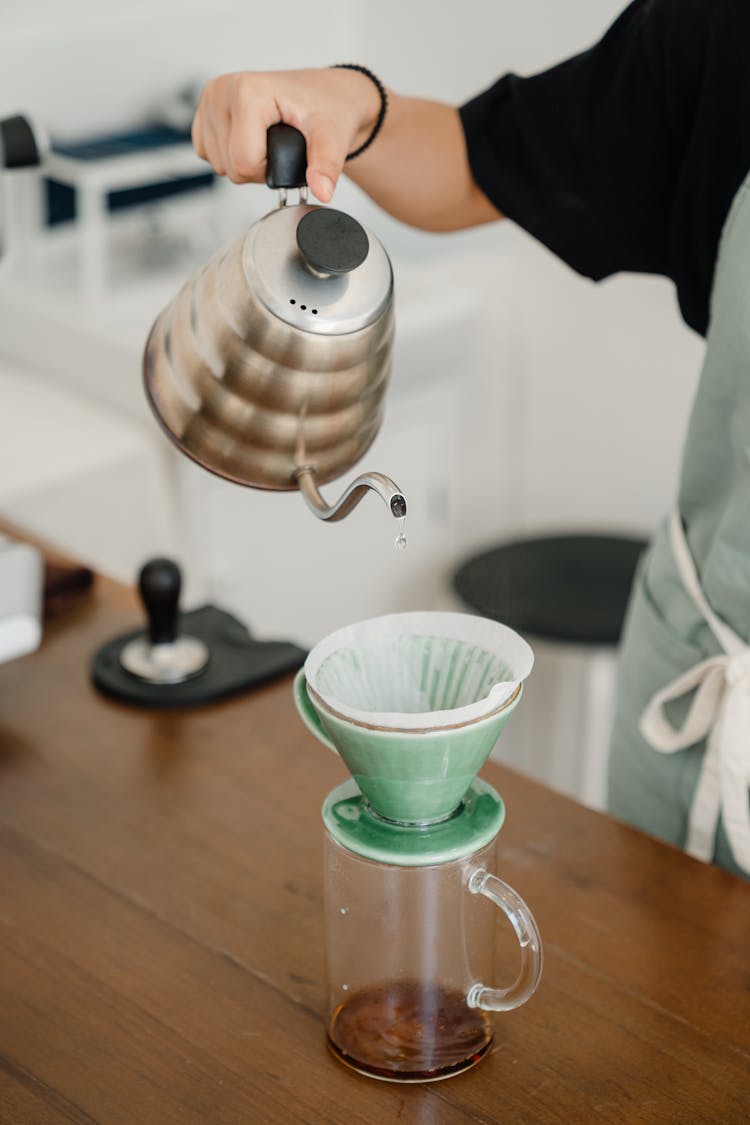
<point x="287" y="157"/>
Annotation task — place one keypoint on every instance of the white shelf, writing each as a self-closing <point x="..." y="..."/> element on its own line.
<point x="129" y="170"/>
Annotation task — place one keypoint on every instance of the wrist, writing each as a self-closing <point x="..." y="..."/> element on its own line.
<point x="371" y="100"/>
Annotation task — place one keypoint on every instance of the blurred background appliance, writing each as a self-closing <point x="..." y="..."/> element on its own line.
<point x="20" y="598"/>
<point x="20" y="564"/>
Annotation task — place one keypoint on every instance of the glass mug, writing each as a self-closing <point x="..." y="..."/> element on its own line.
<point x="411" y="959"/>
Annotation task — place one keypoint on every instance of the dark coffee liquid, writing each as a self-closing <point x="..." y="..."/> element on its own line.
<point x="409" y="1030"/>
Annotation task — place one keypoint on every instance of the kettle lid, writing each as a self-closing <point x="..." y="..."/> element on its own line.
<point x="318" y="269"/>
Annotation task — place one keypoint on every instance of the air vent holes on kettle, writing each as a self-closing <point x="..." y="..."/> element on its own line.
<point x="292" y="301"/>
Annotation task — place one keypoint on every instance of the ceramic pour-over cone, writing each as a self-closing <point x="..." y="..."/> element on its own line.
<point x="414" y="704"/>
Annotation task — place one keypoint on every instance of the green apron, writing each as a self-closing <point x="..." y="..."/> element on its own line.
<point x="680" y="756"/>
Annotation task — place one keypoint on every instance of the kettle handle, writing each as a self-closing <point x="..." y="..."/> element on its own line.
<point x="480" y="882"/>
<point x="286" y="149"/>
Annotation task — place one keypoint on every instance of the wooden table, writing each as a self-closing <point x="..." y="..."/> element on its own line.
<point x="161" y="940"/>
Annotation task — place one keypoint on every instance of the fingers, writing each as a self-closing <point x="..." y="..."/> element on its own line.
<point x="206" y="133"/>
<point x="326" y="153"/>
<point x="206" y="144"/>
<point x="229" y="129"/>
<point x="251" y="111"/>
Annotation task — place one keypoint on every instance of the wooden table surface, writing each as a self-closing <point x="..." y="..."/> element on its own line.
<point x="161" y="936"/>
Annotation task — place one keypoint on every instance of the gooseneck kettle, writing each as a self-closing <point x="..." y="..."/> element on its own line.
<point x="270" y="366"/>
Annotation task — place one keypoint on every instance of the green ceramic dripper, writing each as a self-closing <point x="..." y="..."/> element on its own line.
<point x="414" y="703"/>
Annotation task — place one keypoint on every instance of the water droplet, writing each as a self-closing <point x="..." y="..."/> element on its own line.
<point x="344" y="909"/>
<point x="344" y="987"/>
<point x="400" y="540"/>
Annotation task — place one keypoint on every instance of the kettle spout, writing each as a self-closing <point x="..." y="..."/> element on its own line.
<point x="385" y="488"/>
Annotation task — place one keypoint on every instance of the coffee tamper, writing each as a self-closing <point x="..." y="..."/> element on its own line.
<point x="215" y="658"/>
<point x="161" y="656"/>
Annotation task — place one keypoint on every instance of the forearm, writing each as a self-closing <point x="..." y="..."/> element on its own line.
<point x="417" y="169"/>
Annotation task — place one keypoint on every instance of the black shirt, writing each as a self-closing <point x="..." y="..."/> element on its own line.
<point x="628" y="156"/>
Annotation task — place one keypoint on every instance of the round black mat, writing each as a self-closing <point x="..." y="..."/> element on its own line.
<point x="571" y="588"/>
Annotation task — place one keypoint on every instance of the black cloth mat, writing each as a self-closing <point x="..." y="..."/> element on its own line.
<point x="237" y="663"/>
<point x="572" y="588"/>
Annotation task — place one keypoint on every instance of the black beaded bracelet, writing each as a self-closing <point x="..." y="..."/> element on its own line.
<point x="383" y="104"/>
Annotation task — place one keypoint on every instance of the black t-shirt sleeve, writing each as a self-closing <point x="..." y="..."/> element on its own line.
<point x="627" y="156"/>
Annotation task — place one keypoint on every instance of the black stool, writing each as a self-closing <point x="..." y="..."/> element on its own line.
<point x="571" y="590"/>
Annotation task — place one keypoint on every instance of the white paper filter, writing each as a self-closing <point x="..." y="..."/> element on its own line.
<point x="418" y="670"/>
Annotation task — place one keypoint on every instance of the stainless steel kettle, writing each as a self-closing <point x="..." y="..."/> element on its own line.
<point x="270" y="366"/>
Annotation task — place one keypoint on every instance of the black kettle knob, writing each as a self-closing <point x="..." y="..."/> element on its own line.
<point x="286" y="149"/>
<point x="332" y="242"/>
<point x="160" y="583"/>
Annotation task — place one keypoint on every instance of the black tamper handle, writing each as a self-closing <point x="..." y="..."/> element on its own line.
<point x="159" y="583"/>
<point x="286" y="149"/>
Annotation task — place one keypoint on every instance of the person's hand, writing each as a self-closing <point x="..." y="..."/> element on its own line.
<point x="336" y="110"/>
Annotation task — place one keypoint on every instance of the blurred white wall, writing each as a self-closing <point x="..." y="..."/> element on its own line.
<point x="94" y="64"/>
<point x="456" y="49"/>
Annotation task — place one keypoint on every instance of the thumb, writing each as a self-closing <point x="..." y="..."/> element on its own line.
<point x="326" y="153"/>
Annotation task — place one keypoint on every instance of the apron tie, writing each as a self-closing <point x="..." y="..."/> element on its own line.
<point x="719" y="712"/>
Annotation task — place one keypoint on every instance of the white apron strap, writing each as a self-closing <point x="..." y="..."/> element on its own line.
<point x="719" y="712"/>
<point x="727" y="638"/>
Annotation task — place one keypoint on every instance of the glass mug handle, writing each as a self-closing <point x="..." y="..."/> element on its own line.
<point x="527" y="932"/>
